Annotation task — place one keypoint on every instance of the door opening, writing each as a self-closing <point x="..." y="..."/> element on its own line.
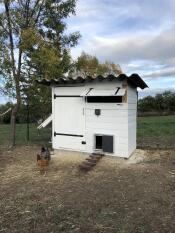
<point x="104" y="143"/>
<point x="98" y="142"/>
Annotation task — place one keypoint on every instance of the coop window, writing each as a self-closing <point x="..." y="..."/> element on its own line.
<point x="105" y="96"/>
<point x="104" y="99"/>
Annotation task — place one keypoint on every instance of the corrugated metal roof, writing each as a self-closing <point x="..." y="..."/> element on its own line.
<point x="133" y="79"/>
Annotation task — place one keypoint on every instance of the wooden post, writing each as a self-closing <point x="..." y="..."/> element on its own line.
<point x="125" y="85"/>
<point x="28" y="137"/>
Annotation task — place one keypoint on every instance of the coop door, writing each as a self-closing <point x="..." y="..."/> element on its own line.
<point x="107" y="143"/>
<point x="104" y="143"/>
<point x="69" y="125"/>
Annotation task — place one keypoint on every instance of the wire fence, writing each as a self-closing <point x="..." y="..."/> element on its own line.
<point x="152" y="132"/>
<point x="25" y="135"/>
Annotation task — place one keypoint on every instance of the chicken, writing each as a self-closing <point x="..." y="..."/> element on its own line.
<point x="45" y="154"/>
<point x="43" y="159"/>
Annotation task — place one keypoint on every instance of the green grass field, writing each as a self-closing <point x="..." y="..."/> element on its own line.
<point x="156" y="126"/>
<point x="150" y="130"/>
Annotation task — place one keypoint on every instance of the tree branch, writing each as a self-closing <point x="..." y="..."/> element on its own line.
<point x="15" y="76"/>
<point x="10" y="33"/>
<point x="39" y="11"/>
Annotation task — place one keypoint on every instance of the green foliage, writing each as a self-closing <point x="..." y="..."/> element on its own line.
<point x="3" y="108"/>
<point x="146" y="104"/>
<point x="164" y="102"/>
<point x="40" y="42"/>
<point x="29" y="38"/>
<point x="38" y="104"/>
<point x="33" y="45"/>
<point x="90" y="65"/>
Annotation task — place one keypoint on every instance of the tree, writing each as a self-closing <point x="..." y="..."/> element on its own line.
<point x="90" y="65"/>
<point x="39" y="101"/>
<point x="147" y="104"/>
<point x="33" y="44"/>
<point x="5" y="118"/>
<point x="162" y="102"/>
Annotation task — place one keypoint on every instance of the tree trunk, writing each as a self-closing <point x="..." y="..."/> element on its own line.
<point x="16" y="75"/>
<point x="14" y="114"/>
<point x="13" y="127"/>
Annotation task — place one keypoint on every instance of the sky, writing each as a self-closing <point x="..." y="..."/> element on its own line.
<point x="139" y="35"/>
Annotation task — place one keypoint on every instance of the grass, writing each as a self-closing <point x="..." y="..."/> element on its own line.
<point x="156" y="126"/>
<point x="151" y="131"/>
<point x="35" y="136"/>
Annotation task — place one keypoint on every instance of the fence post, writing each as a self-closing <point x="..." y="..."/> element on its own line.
<point x="28" y="133"/>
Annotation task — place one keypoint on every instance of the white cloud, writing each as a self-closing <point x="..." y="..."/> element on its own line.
<point x="125" y="31"/>
<point x="125" y="49"/>
<point x="167" y="72"/>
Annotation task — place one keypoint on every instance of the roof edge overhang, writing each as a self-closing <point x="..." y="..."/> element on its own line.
<point x="133" y="79"/>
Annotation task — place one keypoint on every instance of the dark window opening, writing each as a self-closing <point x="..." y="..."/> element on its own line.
<point x="104" y="99"/>
<point x="98" y="142"/>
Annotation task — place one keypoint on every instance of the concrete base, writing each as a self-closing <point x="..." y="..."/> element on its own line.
<point x="59" y="152"/>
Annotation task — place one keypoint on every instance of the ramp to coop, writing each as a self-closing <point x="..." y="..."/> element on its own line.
<point x="91" y="161"/>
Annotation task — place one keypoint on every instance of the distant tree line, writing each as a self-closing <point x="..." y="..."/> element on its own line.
<point x="163" y="103"/>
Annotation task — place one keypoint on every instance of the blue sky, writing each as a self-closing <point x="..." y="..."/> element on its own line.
<point x="139" y="35"/>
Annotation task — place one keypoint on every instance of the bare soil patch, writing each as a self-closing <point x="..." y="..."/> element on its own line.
<point x="117" y="196"/>
<point x="156" y="142"/>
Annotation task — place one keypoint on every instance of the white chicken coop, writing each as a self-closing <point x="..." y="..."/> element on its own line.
<point x="95" y="114"/>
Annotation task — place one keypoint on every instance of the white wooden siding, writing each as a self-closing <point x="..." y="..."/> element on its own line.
<point x="132" y="118"/>
<point x="69" y="90"/>
<point x="53" y="119"/>
<point x="112" y="121"/>
<point x="117" y="119"/>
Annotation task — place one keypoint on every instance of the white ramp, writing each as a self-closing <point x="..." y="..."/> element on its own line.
<point x="45" y="123"/>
